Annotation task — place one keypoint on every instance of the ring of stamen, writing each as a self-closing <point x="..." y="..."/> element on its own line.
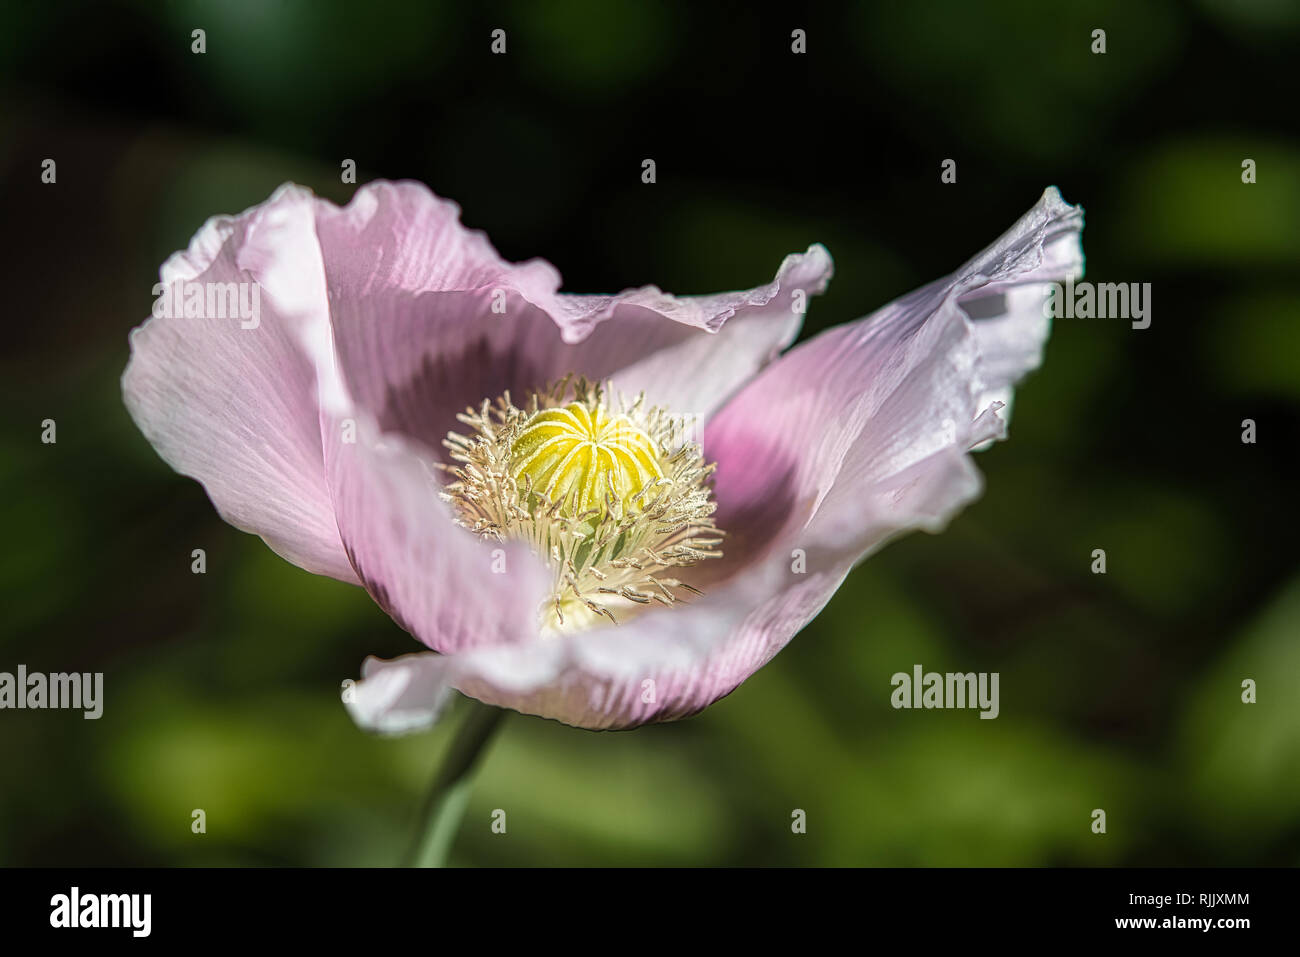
<point x="616" y="501"/>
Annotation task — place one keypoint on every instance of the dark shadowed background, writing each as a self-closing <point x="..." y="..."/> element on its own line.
<point x="1119" y="691"/>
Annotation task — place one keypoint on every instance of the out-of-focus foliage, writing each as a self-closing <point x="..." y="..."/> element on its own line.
<point x="1120" y="692"/>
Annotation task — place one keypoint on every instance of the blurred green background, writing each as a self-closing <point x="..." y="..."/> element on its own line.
<point x="1119" y="691"/>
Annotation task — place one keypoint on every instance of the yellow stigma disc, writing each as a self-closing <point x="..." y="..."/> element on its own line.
<point x="578" y="455"/>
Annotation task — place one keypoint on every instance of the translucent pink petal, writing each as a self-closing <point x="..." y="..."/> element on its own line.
<point x="233" y="407"/>
<point x="416" y="304"/>
<point x="438" y="581"/>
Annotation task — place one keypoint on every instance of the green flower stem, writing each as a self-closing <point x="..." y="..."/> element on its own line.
<point x="444" y="805"/>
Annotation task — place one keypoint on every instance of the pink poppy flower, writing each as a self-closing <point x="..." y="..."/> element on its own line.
<point x="606" y="510"/>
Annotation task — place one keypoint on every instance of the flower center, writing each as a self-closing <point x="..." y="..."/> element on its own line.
<point x="616" y="501"/>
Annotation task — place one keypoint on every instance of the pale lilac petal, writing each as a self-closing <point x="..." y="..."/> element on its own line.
<point x="401" y="695"/>
<point x="663" y="666"/>
<point x="948" y="380"/>
<point x="441" y="583"/>
<point x="235" y="408"/>
<point x="697" y="373"/>
<point x="852" y="438"/>
<point x="412" y="296"/>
